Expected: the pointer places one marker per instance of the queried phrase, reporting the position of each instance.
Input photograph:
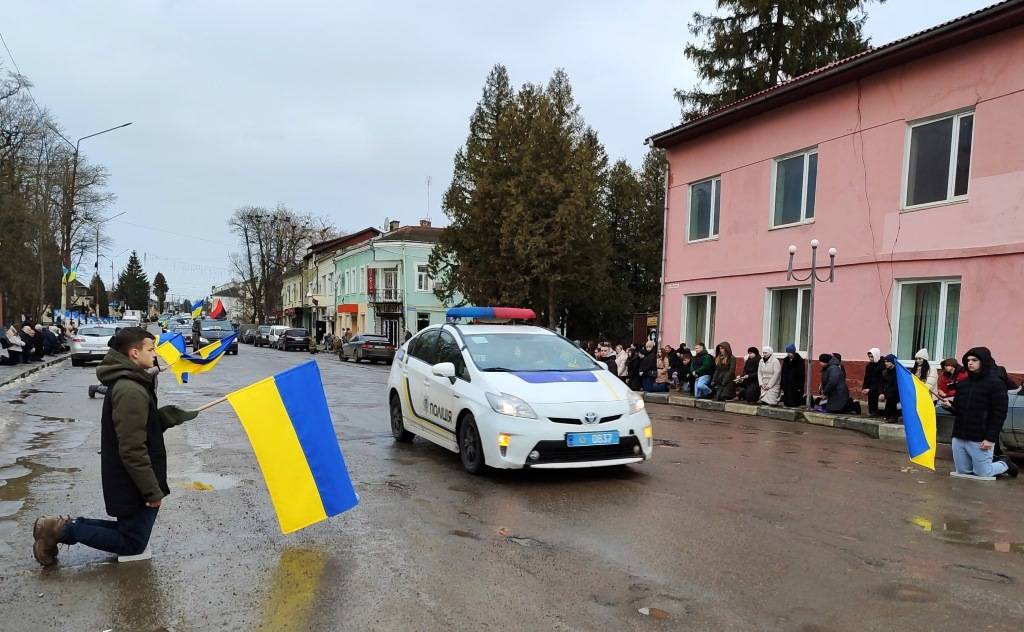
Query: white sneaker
(145, 555)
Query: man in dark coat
(133, 460)
(979, 408)
(794, 373)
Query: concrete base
(656, 398)
(743, 409)
(681, 400)
(859, 424)
(708, 404)
(145, 555)
(820, 419)
(785, 414)
(892, 432)
(972, 477)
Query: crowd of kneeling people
(31, 342)
(975, 392)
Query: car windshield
(216, 325)
(522, 351)
(96, 331)
(296, 332)
(264, 329)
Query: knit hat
(791, 348)
(922, 354)
(752, 350)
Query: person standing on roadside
(873, 380)
(133, 459)
(979, 410)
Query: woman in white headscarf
(769, 375)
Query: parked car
(367, 347)
(293, 338)
(275, 333)
(206, 331)
(1012, 434)
(184, 330)
(262, 336)
(247, 332)
(90, 344)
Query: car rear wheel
(471, 449)
(398, 430)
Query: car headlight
(636, 402)
(510, 405)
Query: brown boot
(46, 531)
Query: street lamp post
(812, 276)
(70, 212)
(96, 268)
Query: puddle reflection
(291, 600)
(968, 533)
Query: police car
(513, 396)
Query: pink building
(908, 159)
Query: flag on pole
(69, 274)
(197, 308)
(171, 348)
(218, 310)
(289, 426)
(918, 415)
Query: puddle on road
(205, 482)
(966, 533)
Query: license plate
(583, 439)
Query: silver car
(90, 344)
(1012, 435)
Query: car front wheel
(398, 430)
(471, 449)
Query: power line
(171, 232)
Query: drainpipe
(664, 250)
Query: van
(276, 332)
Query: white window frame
(708, 315)
(803, 189)
(716, 185)
(769, 316)
(940, 337)
(956, 115)
(429, 286)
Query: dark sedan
(262, 336)
(293, 339)
(367, 347)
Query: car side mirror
(444, 369)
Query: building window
(794, 181)
(699, 319)
(938, 160)
(423, 281)
(788, 317)
(705, 205)
(362, 279)
(927, 316)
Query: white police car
(513, 396)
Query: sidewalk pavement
(10, 373)
(865, 425)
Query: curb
(33, 368)
(870, 427)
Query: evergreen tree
(103, 308)
(758, 44)
(160, 290)
(646, 259)
(133, 285)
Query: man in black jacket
(133, 460)
(980, 409)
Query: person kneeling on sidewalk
(133, 461)
(980, 409)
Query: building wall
(860, 131)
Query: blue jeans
(650, 386)
(128, 535)
(969, 458)
(701, 388)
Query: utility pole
(812, 276)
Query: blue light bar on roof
(492, 313)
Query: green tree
(648, 224)
(758, 44)
(103, 308)
(133, 285)
(160, 290)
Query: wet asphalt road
(738, 523)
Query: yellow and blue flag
(918, 415)
(197, 308)
(292, 435)
(172, 349)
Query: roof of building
(424, 234)
(344, 241)
(977, 24)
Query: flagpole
(220, 400)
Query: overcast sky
(340, 109)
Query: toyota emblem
(590, 418)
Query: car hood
(553, 387)
(215, 334)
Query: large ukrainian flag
(290, 428)
(918, 416)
